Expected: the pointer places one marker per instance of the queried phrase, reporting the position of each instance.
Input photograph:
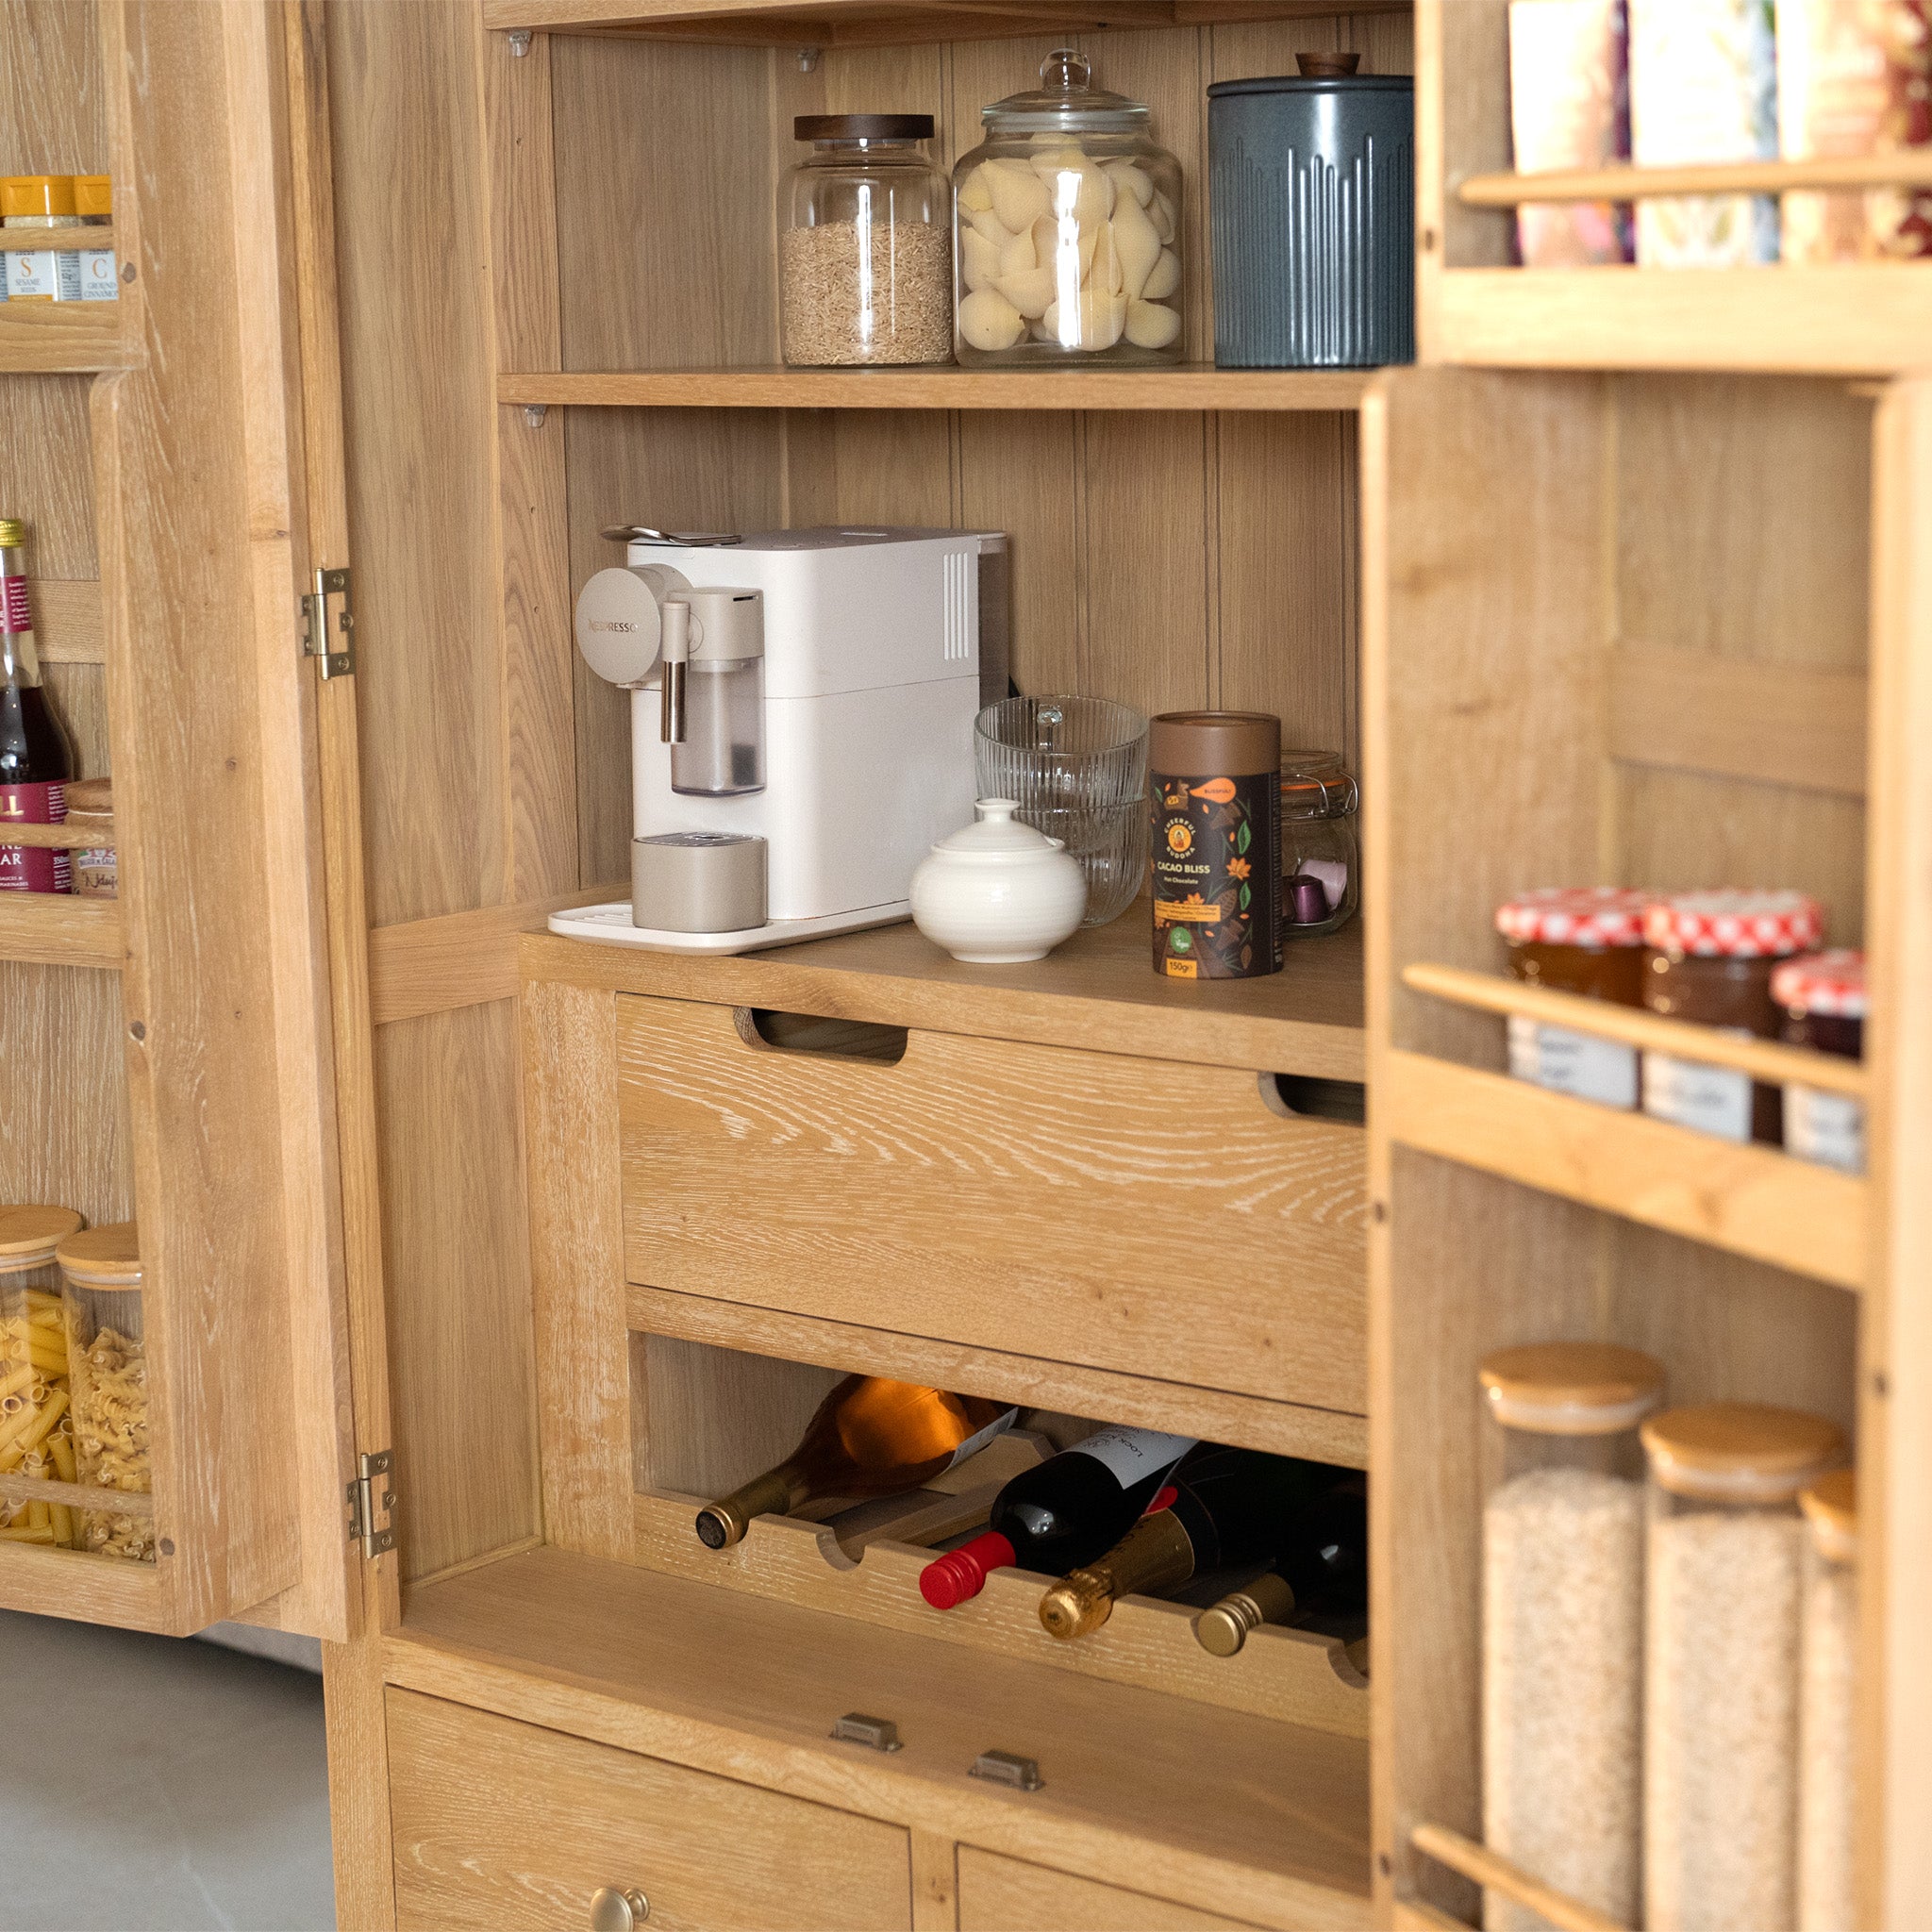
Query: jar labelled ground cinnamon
(1584, 940)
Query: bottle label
(1710, 1100)
(99, 279)
(1578, 1064)
(973, 1445)
(1130, 1454)
(1826, 1127)
(16, 615)
(27, 867)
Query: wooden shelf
(1098, 992)
(886, 23)
(1748, 1200)
(1909, 168)
(81, 1584)
(1191, 388)
(1235, 1813)
(58, 929)
(61, 337)
(89, 239)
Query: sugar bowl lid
(995, 833)
(1065, 100)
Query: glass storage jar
(1068, 219)
(1321, 856)
(1823, 998)
(1589, 940)
(865, 253)
(106, 1369)
(1827, 1889)
(1563, 1621)
(36, 1440)
(1725, 1564)
(1711, 961)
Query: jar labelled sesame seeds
(1584, 940)
(1822, 999)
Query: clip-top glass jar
(1726, 1566)
(1563, 1620)
(36, 1430)
(1069, 229)
(865, 252)
(1321, 856)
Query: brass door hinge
(371, 1500)
(336, 655)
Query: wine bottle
(1323, 1570)
(35, 763)
(870, 1436)
(1219, 1506)
(1060, 1513)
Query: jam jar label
(1826, 1127)
(28, 868)
(1216, 868)
(1575, 1063)
(1711, 1100)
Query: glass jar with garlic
(1068, 226)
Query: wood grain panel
(52, 104)
(999, 1894)
(500, 1824)
(712, 1418)
(979, 1192)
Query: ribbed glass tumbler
(1079, 768)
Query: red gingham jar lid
(1574, 916)
(1832, 984)
(1734, 925)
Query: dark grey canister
(1312, 184)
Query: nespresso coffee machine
(802, 706)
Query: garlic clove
(979, 260)
(976, 192)
(1093, 322)
(1053, 239)
(1031, 291)
(1150, 325)
(1019, 254)
(1137, 244)
(1130, 178)
(1020, 197)
(1161, 213)
(1163, 279)
(989, 321)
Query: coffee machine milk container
(802, 706)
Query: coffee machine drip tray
(610, 924)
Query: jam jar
(1586, 939)
(1710, 958)
(1823, 997)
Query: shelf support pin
(807, 60)
(519, 41)
(533, 414)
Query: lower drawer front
(501, 1824)
(999, 1894)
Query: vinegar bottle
(35, 763)
(871, 1437)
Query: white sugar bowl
(997, 892)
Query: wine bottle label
(28, 868)
(1130, 1454)
(973, 1445)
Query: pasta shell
(1077, 188)
(1150, 325)
(1160, 213)
(1164, 278)
(984, 221)
(1104, 273)
(1019, 254)
(1054, 238)
(1130, 178)
(1031, 291)
(989, 321)
(1020, 197)
(976, 192)
(979, 260)
(1137, 244)
(1094, 323)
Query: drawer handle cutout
(812, 1033)
(1303, 1098)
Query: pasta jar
(1826, 1751)
(865, 252)
(38, 202)
(1725, 1572)
(36, 1438)
(1321, 858)
(1822, 999)
(106, 1368)
(1067, 218)
(1584, 940)
(1563, 1621)
(1710, 961)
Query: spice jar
(1725, 1564)
(1822, 999)
(865, 271)
(1563, 1621)
(1321, 858)
(1584, 940)
(39, 201)
(90, 808)
(106, 1368)
(1216, 779)
(1711, 961)
(36, 1438)
(1826, 1751)
(1068, 219)
(93, 200)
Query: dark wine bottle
(1323, 1570)
(1059, 1514)
(35, 763)
(1218, 1507)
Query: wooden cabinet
(999, 1894)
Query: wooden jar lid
(103, 1256)
(1739, 1452)
(1572, 1388)
(29, 1235)
(1831, 1507)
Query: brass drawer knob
(618, 1909)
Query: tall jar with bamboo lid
(106, 1356)
(36, 1440)
(1563, 1621)
(1828, 1900)
(1726, 1591)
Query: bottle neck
(1157, 1554)
(20, 661)
(777, 1493)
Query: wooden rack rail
(1911, 168)
(1485, 1867)
(57, 838)
(86, 239)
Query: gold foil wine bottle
(871, 1437)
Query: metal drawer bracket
(878, 1733)
(372, 1496)
(316, 641)
(1008, 1768)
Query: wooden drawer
(999, 1894)
(501, 1824)
(1087, 1208)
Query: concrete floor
(149, 1784)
